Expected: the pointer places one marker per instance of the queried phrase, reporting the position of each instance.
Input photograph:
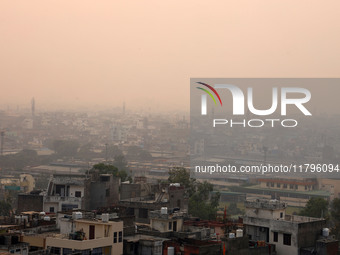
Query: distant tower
(33, 107)
(124, 108)
(2, 134)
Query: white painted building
(65, 192)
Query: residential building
(266, 220)
(65, 192)
(171, 196)
(87, 236)
(11, 243)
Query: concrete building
(143, 245)
(164, 221)
(289, 184)
(10, 243)
(25, 183)
(266, 220)
(294, 192)
(65, 192)
(192, 247)
(170, 196)
(101, 190)
(87, 236)
(30, 202)
(330, 185)
(119, 132)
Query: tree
(105, 169)
(233, 209)
(182, 176)
(5, 208)
(315, 207)
(111, 169)
(120, 162)
(201, 203)
(335, 215)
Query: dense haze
(76, 54)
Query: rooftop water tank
(325, 232)
(77, 215)
(164, 210)
(231, 235)
(239, 233)
(171, 250)
(105, 217)
(47, 218)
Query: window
(170, 225)
(281, 215)
(272, 184)
(284, 186)
(55, 250)
(67, 251)
(92, 229)
(287, 239)
(268, 184)
(107, 192)
(291, 186)
(276, 237)
(143, 213)
(77, 194)
(105, 178)
(68, 207)
(115, 237)
(52, 209)
(278, 185)
(120, 239)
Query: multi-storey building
(266, 220)
(87, 236)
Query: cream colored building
(289, 184)
(25, 183)
(330, 185)
(94, 237)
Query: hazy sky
(79, 52)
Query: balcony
(57, 199)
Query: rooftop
(169, 214)
(272, 204)
(136, 238)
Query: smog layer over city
(169, 127)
